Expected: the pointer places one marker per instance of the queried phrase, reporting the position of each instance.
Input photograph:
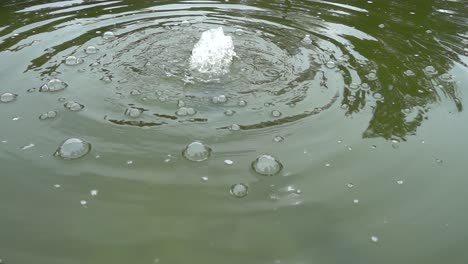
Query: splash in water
(213, 52)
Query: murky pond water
(233, 131)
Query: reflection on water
(333, 132)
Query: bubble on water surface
(365, 87)
(239, 32)
(278, 139)
(234, 127)
(228, 162)
(48, 115)
(204, 178)
(242, 103)
(330, 64)
(229, 112)
(371, 76)
(108, 35)
(430, 71)
(356, 201)
(239, 190)
(83, 202)
(350, 185)
(381, 26)
(53, 85)
(94, 192)
(276, 113)
(8, 97)
(31, 145)
(73, 148)
(374, 239)
(133, 112)
(307, 40)
(73, 106)
(185, 23)
(399, 182)
(91, 50)
(446, 77)
(184, 111)
(73, 60)
(267, 165)
(353, 86)
(219, 99)
(197, 151)
(378, 96)
(409, 73)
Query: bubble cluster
(48, 115)
(185, 111)
(73, 106)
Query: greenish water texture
(366, 114)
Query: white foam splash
(213, 52)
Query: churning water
(263, 131)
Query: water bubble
(229, 112)
(56, 185)
(239, 32)
(222, 99)
(129, 162)
(430, 70)
(409, 73)
(365, 87)
(439, 161)
(356, 201)
(234, 127)
(399, 182)
(53, 85)
(48, 115)
(267, 165)
(180, 103)
(31, 145)
(351, 98)
(378, 96)
(446, 77)
(73, 106)
(83, 202)
(133, 112)
(327, 164)
(331, 64)
(374, 239)
(371, 76)
(108, 35)
(276, 113)
(73, 148)
(8, 97)
(350, 185)
(354, 87)
(197, 151)
(73, 60)
(242, 103)
(228, 162)
(16, 118)
(278, 139)
(91, 50)
(307, 40)
(185, 23)
(345, 106)
(107, 79)
(239, 190)
(381, 26)
(94, 192)
(204, 178)
(135, 92)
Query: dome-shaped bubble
(267, 165)
(239, 190)
(197, 151)
(91, 50)
(73, 60)
(53, 85)
(108, 35)
(8, 97)
(73, 148)
(133, 112)
(73, 106)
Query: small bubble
(400, 182)
(351, 98)
(350, 185)
(228, 162)
(371, 76)
(91, 50)
(276, 113)
(242, 103)
(327, 164)
(204, 178)
(129, 162)
(229, 112)
(381, 26)
(108, 35)
(8, 97)
(345, 106)
(94, 192)
(307, 40)
(48, 115)
(107, 79)
(73, 106)
(83, 202)
(234, 127)
(354, 87)
(446, 77)
(430, 71)
(239, 190)
(278, 139)
(439, 161)
(197, 151)
(374, 146)
(180, 103)
(267, 165)
(53, 85)
(133, 112)
(331, 64)
(73, 148)
(73, 60)
(409, 73)
(356, 201)
(378, 96)
(349, 148)
(56, 185)
(339, 141)
(185, 23)
(374, 239)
